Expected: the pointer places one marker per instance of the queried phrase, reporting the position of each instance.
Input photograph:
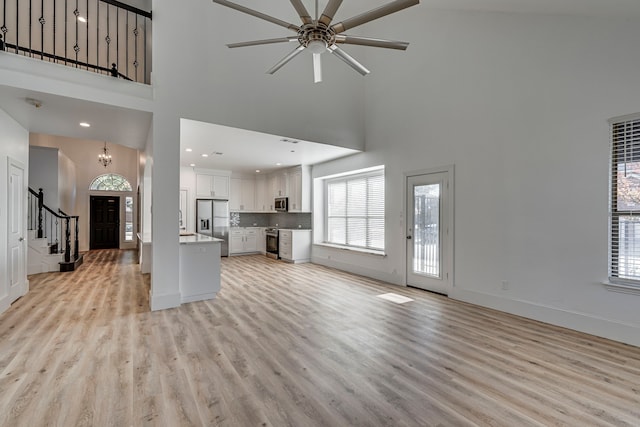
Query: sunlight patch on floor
(398, 299)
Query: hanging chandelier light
(104, 158)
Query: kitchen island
(199, 267)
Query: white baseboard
(202, 297)
(163, 302)
(605, 328)
(34, 269)
(4, 304)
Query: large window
(110, 182)
(624, 210)
(355, 210)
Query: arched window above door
(110, 182)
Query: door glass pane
(128, 219)
(426, 226)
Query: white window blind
(624, 210)
(355, 211)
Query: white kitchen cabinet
(243, 240)
(279, 184)
(294, 245)
(242, 197)
(212, 184)
(264, 199)
(299, 189)
(199, 268)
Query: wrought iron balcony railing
(105, 36)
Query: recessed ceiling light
(205, 155)
(278, 164)
(188, 150)
(85, 125)
(193, 165)
(257, 170)
(82, 19)
(292, 141)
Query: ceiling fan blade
(286, 59)
(266, 41)
(329, 12)
(368, 41)
(373, 14)
(302, 11)
(257, 14)
(348, 59)
(317, 67)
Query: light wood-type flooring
(294, 345)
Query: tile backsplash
(280, 220)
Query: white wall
(188, 182)
(55, 173)
(43, 173)
(519, 103)
(230, 88)
(84, 154)
(14, 143)
(66, 183)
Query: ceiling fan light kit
(319, 36)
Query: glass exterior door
(427, 232)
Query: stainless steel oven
(272, 242)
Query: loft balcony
(102, 36)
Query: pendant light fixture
(104, 158)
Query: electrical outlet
(505, 285)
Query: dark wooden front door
(105, 222)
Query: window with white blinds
(624, 210)
(355, 210)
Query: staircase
(48, 251)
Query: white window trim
(615, 284)
(338, 177)
(622, 288)
(352, 249)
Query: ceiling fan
(319, 36)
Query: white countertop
(198, 238)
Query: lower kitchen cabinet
(243, 240)
(294, 245)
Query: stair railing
(104, 36)
(51, 225)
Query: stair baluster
(50, 227)
(40, 205)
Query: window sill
(346, 248)
(622, 288)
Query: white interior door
(16, 229)
(428, 232)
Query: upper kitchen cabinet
(299, 191)
(243, 194)
(279, 183)
(212, 184)
(264, 201)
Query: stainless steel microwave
(281, 204)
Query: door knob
(20, 239)
(408, 237)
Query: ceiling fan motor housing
(316, 32)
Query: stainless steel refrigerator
(212, 219)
